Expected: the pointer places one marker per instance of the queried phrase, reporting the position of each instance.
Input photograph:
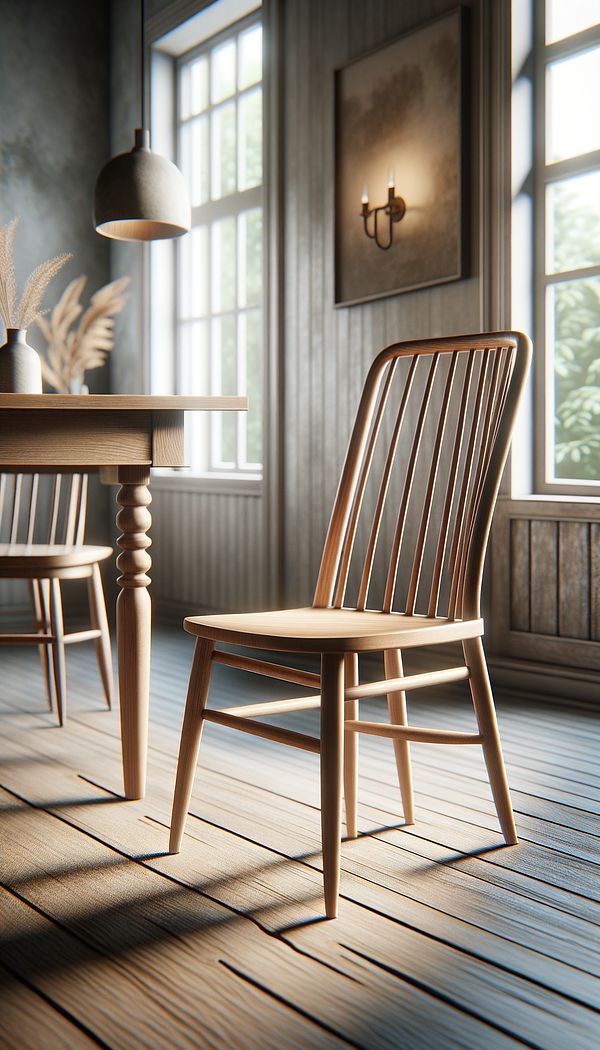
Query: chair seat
(32, 558)
(330, 630)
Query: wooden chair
(62, 555)
(429, 505)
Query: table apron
(52, 440)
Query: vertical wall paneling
(327, 350)
(203, 553)
(520, 560)
(545, 566)
(574, 579)
(594, 581)
(556, 574)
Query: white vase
(20, 368)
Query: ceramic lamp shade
(141, 196)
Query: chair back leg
(351, 750)
(392, 662)
(58, 650)
(332, 746)
(99, 621)
(191, 734)
(485, 712)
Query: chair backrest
(421, 476)
(43, 508)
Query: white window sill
(550, 497)
(215, 484)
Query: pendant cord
(143, 63)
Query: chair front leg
(351, 750)
(191, 733)
(485, 711)
(332, 746)
(392, 662)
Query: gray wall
(54, 137)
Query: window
(567, 243)
(216, 305)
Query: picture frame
(400, 116)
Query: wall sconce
(394, 210)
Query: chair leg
(191, 733)
(58, 650)
(40, 613)
(100, 622)
(332, 746)
(483, 702)
(392, 662)
(351, 750)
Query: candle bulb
(365, 196)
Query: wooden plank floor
(445, 939)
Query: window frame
(235, 480)
(544, 175)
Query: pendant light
(141, 196)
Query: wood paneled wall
(546, 582)
(327, 350)
(207, 551)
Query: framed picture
(399, 120)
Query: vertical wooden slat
(594, 541)
(31, 511)
(72, 507)
(360, 488)
(55, 507)
(3, 487)
(519, 575)
(408, 483)
(491, 414)
(544, 577)
(573, 579)
(81, 510)
(16, 508)
(460, 520)
(383, 488)
(436, 576)
(427, 502)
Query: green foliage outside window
(576, 341)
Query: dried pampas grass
(29, 308)
(73, 351)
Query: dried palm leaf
(8, 283)
(38, 281)
(71, 352)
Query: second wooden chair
(44, 545)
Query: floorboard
(445, 938)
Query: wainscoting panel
(207, 551)
(546, 581)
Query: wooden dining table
(121, 436)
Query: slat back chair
(42, 541)
(456, 474)
(43, 509)
(418, 489)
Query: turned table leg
(133, 624)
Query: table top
(125, 402)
